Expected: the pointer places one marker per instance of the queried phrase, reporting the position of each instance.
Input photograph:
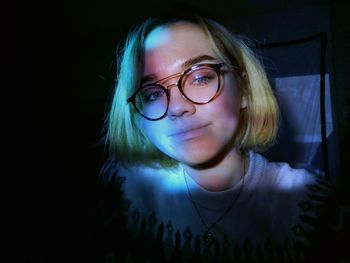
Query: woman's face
(189, 133)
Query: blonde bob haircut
(258, 122)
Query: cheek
(229, 100)
(155, 132)
(228, 108)
(147, 129)
(225, 115)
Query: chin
(195, 158)
(204, 155)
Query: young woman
(191, 110)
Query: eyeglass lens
(199, 86)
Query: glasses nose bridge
(176, 76)
(168, 87)
(177, 84)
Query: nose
(178, 104)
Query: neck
(224, 175)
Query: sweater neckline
(219, 200)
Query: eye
(152, 94)
(201, 77)
(202, 80)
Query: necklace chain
(208, 237)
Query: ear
(244, 99)
(244, 102)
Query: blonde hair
(258, 122)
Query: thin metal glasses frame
(182, 74)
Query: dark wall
(340, 35)
(56, 119)
(62, 70)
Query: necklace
(208, 236)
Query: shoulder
(281, 175)
(112, 168)
(141, 175)
(295, 197)
(291, 188)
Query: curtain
(298, 73)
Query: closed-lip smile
(189, 132)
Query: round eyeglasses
(199, 84)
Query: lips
(189, 132)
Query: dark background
(59, 70)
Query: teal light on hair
(258, 123)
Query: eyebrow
(188, 63)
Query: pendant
(208, 238)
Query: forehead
(180, 31)
(171, 45)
